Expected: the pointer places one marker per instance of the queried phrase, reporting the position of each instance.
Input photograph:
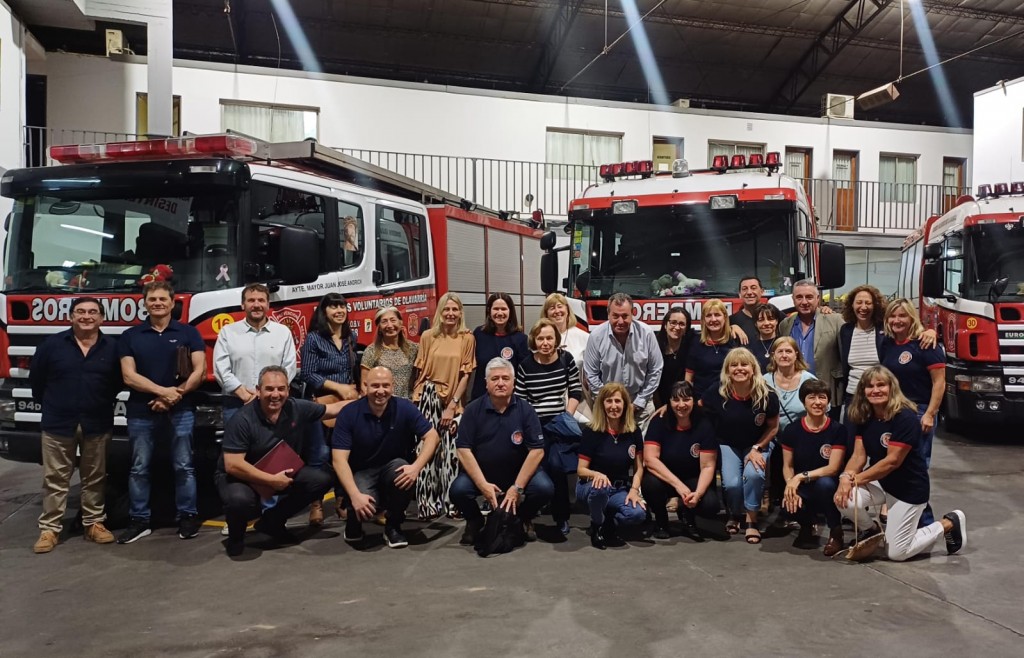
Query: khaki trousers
(59, 454)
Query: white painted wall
(999, 133)
(12, 94)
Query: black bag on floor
(502, 533)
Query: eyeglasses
(676, 323)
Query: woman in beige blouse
(444, 364)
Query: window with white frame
(577, 151)
(269, 122)
(730, 149)
(897, 176)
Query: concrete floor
(164, 596)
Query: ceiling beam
(857, 15)
(561, 24)
(947, 9)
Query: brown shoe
(98, 533)
(316, 513)
(46, 542)
(833, 545)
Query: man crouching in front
(248, 437)
(500, 446)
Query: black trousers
(242, 503)
(379, 482)
(657, 492)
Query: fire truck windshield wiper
(714, 293)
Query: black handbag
(502, 533)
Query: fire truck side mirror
(831, 265)
(547, 241)
(932, 251)
(549, 272)
(295, 267)
(931, 280)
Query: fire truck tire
(955, 426)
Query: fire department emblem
(759, 419)
(695, 450)
(517, 437)
(413, 328)
(884, 439)
(905, 358)
(506, 353)
(826, 451)
(632, 451)
(294, 320)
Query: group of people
(646, 420)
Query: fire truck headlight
(7, 409)
(723, 202)
(979, 383)
(624, 207)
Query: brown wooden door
(844, 173)
(952, 182)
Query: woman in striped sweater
(550, 382)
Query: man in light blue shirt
(624, 351)
(245, 348)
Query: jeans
(242, 503)
(562, 434)
(318, 453)
(742, 483)
(142, 433)
(463, 494)
(609, 501)
(657, 492)
(818, 498)
(379, 483)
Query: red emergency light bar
(643, 168)
(205, 145)
(988, 191)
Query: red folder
(280, 458)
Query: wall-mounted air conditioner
(681, 102)
(115, 43)
(837, 106)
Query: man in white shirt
(624, 351)
(245, 348)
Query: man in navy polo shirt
(251, 434)
(500, 446)
(161, 401)
(76, 377)
(373, 443)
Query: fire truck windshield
(76, 243)
(995, 251)
(631, 253)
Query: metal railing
(870, 206)
(520, 187)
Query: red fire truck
(219, 212)
(683, 237)
(965, 271)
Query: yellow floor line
(213, 523)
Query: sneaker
(188, 526)
(394, 538)
(354, 530)
(136, 530)
(806, 538)
(224, 530)
(661, 532)
(563, 527)
(47, 542)
(97, 532)
(956, 538)
(529, 532)
(691, 531)
(470, 534)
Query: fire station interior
(890, 130)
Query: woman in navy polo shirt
(888, 442)
(921, 372)
(704, 363)
(675, 339)
(499, 335)
(680, 453)
(813, 450)
(611, 444)
(745, 413)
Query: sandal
(732, 526)
(751, 533)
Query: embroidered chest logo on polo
(631, 451)
(884, 439)
(826, 451)
(695, 450)
(506, 353)
(517, 437)
(759, 419)
(905, 358)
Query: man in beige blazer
(817, 334)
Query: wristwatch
(807, 476)
(519, 490)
